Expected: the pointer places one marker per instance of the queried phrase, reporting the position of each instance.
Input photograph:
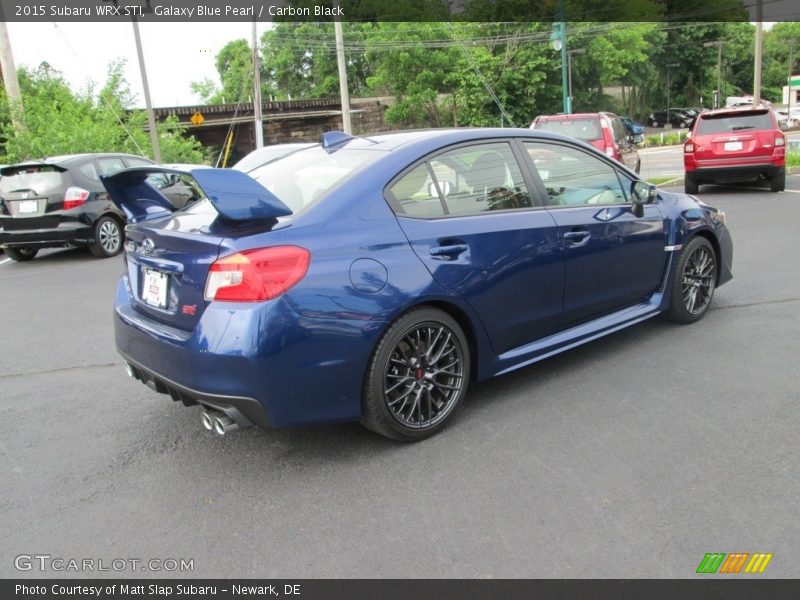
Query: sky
(175, 54)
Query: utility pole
(569, 69)
(558, 40)
(757, 54)
(718, 44)
(343, 93)
(669, 70)
(791, 68)
(151, 119)
(9, 71)
(259, 124)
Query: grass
(660, 180)
(793, 158)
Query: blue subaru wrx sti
(373, 278)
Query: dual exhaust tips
(218, 422)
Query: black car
(59, 201)
(677, 118)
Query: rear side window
(731, 123)
(583, 129)
(40, 179)
(466, 181)
(107, 166)
(620, 137)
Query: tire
(638, 166)
(690, 185)
(778, 181)
(108, 237)
(694, 282)
(404, 397)
(22, 253)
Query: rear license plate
(27, 207)
(155, 286)
(733, 146)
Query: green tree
(60, 121)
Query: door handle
(577, 236)
(449, 251)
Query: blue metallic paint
(304, 354)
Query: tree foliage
(482, 73)
(60, 121)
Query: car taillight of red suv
(735, 145)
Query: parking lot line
(793, 191)
(2, 262)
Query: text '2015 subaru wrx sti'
(373, 278)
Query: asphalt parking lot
(629, 457)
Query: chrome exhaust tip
(129, 371)
(208, 420)
(224, 424)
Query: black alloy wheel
(417, 376)
(694, 282)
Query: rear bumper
(246, 412)
(734, 173)
(260, 360)
(65, 234)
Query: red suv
(735, 144)
(604, 131)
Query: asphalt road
(629, 457)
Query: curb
(679, 180)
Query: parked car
(604, 131)
(59, 201)
(632, 126)
(409, 265)
(675, 117)
(735, 144)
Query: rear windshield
(39, 179)
(583, 129)
(730, 123)
(302, 178)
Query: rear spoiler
(13, 169)
(236, 196)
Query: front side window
(575, 178)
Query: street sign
(197, 119)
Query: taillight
(688, 147)
(780, 140)
(74, 197)
(256, 275)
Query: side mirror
(642, 193)
(638, 138)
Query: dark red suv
(735, 144)
(605, 131)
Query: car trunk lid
(168, 253)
